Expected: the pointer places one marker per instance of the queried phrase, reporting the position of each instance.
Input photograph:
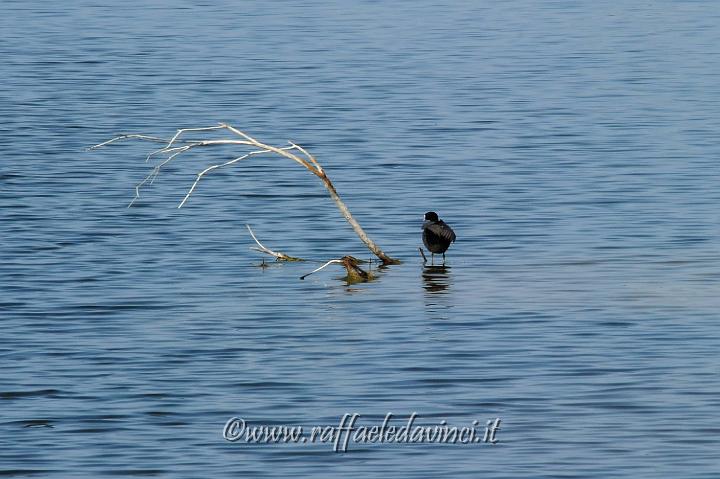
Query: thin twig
(126, 137)
(264, 249)
(219, 165)
(310, 157)
(355, 273)
(321, 267)
(156, 171)
(182, 131)
(279, 151)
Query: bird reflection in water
(436, 279)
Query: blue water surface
(573, 146)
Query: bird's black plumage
(437, 235)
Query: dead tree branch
(178, 145)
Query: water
(571, 145)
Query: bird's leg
(432, 258)
(443, 258)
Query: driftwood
(178, 144)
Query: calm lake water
(573, 147)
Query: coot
(437, 235)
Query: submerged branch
(264, 249)
(355, 274)
(332, 261)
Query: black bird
(437, 235)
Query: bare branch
(181, 149)
(332, 261)
(240, 133)
(127, 137)
(279, 151)
(156, 171)
(310, 157)
(355, 273)
(308, 162)
(182, 131)
(264, 249)
(220, 165)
